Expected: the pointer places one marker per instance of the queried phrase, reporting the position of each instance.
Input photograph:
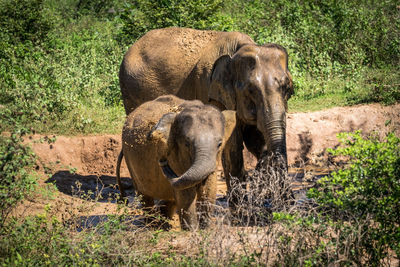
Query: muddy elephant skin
(226, 69)
(171, 147)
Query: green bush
(102, 8)
(366, 193)
(142, 16)
(55, 84)
(59, 60)
(43, 236)
(16, 180)
(382, 86)
(32, 93)
(329, 42)
(23, 21)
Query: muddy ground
(87, 163)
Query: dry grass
(269, 225)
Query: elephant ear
(290, 85)
(230, 124)
(221, 89)
(160, 132)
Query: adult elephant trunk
(203, 165)
(273, 127)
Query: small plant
(366, 192)
(16, 178)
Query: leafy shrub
(41, 234)
(142, 16)
(101, 8)
(59, 62)
(16, 180)
(23, 21)
(326, 40)
(367, 190)
(378, 86)
(56, 83)
(32, 92)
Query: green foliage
(142, 16)
(40, 234)
(57, 83)
(381, 85)
(23, 21)
(59, 60)
(31, 90)
(101, 8)
(367, 190)
(329, 41)
(16, 180)
(352, 216)
(44, 239)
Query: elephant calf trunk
(203, 166)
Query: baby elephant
(171, 147)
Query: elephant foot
(188, 220)
(167, 208)
(204, 212)
(150, 213)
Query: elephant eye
(219, 144)
(187, 142)
(239, 85)
(287, 92)
(252, 90)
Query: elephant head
(255, 81)
(196, 135)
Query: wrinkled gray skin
(226, 69)
(171, 147)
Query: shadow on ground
(100, 188)
(104, 189)
(92, 221)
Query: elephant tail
(118, 174)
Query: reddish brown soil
(93, 158)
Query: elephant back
(174, 61)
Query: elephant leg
(186, 205)
(207, 194)
(148, 209)
(148, 202)
(167, 209)
(254, 140)
(232, 162)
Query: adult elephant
(226, 69)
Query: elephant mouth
(251, 116)
(168, 172)
(250, 120)
(253, 120)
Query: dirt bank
(308, 135)
(87, 163)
